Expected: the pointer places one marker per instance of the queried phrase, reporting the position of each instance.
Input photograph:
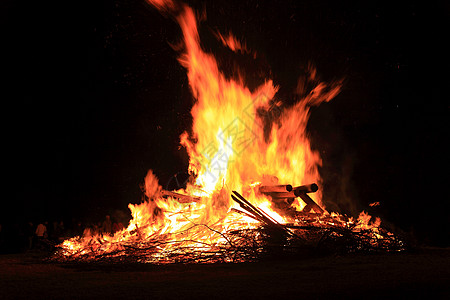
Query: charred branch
(258, 213)
(245, 213)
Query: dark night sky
(94, 97)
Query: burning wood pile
(313, 230)
(232, 210)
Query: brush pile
(313, 231)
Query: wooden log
(279, 192)
(308, 188)
(275, 188)
(310, 204)
(281, 195)
(181, 197)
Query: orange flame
(234, 44)
(228, 149)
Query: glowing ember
(233, 146)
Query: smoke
(339, 159)
(340, 191)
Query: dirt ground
(424, 273)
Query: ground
(422, 273)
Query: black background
(93, 97)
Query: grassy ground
(423, 274)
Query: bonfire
(255, 187)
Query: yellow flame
(228, 150)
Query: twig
(218, 232)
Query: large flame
(235, 143)
(228, 148)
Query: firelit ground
(424, 273)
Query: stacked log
(287, 193)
